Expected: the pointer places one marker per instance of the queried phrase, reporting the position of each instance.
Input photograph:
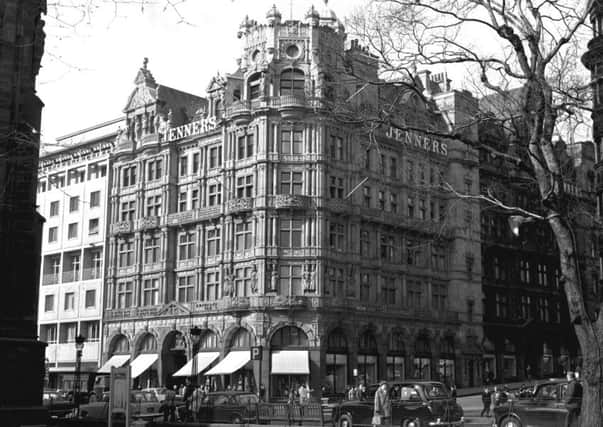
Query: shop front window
(337, 362)
(295, 340)
(422, 359)
(367, 359)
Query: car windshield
(436, 391)
(143, 396)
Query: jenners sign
(198, 127)
(415, 139)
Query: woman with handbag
(383, 406)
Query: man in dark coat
(383, 404)
(487, 401)
(573, 399)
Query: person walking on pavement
(290, 403)
(304, 399)
(170, 400)
(573, 399)
(382, 412)
(487, 401)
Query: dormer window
(292, 82)
(253, 87)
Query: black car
(414, 404)
(543, 407)
(233, 407)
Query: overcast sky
(88, 69)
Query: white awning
(290, 362)
(142, 363)
(203, 361)
(116, 361)
(233, 361)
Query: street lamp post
(79, 346)
(195, 338)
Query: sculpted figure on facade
(274, 277)
(308, 278)
(228, 284)
(254, 280)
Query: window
(186, 245)
(48, 303)
(290, 282)
(387, 247)
(53, 234)
(90, 298)
(335, 283)
(245, 186)
(388, 290)
(292, 83)
(91, 330)
(182, 196)
(410, 177)
(128, 176)
(151, 249)
(393, 202)
(74, 203)
(214, 195)
(526, 307)
(54, 208)
(194, 199)
(365, 287)
(48, 333)
(438, 258)
(150, 292)
(243, 282)
(186, 288)
(290, 233)
(245, 146)
(291, 141)
(253, 86)
(365, 243)
(75, 268)
(215, 157)
(411, 207)
(212, 286)
(291, 182)
(128, 210)
(243, 235)
(524, 271)
(439, 296)
(93, 226)
(381, 198)
(213, 241)
(56, 266)
(72, 231)
(95, 199)
(124, 294)
(336, 148)
(422, 209)
(393, 167)
(415, 294)
(69, 301)
(196, 162)
(154, 171)
(183, 165)
(67, 332)
(126, 253)
(336, 188)
(154, 205)
(336, 236)
(542, 275)
(367, 196)
(97, 265)
(502, 306)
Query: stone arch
(140, 337)
(304, 327)
(292, 81)
(229, 333)
(115, 344)
(173, 355)
(239, 334)
(305, 338)
(210, 339)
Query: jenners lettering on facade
(418, 140)
(195, 128)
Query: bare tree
(526, 53)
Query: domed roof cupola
(273, 16)
(312, 16)
(328, 17)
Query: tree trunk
(591, 414)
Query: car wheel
(510, 422)
(345, 421)
(411, 423)
(236, 420)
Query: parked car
(143, 405)
(543, 407)
(234, 407)
(56, 404)
(414, 404)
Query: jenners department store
(257, 217)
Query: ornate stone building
(263, 216)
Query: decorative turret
(312, 16)
(144, 76)
(273, 16)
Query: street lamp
(79, 346)
(195, 338)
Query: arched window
(422, 359)
(148, 344)
(367, 361)
(218, 109)
(292, 82)
(208, 340)
(253, 86)
(289, 336)
(396, 343)
(121, 345)
(337, 361)
(395, 359)
(447, 346)
(367, 344)
(337, 342)
(240, 339)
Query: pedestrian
(196, 402)
(487, 401)
(290, 404)
(165, 410)
(262, 392)
(352, 393)
(573, 399)
(361, 392)
(170, 397)
(304, 398)
(382, 411)
(187, 393)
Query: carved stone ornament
(290, 201)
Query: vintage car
(414, 404)
(233, 407)
(57, 405)
(143, 405)
(543, 407)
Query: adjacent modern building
(264, 217)
(72, 196)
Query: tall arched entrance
(144, 365)
(289, 361)
(368, 357)
(173, 357)
(337, 362)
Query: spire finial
(145, 62)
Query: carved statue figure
(254, 280)
(228, 284)
(274, 277)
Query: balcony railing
(92, 273)
(51, 279)
(242, 204)
(71, 276)
(291, 201)
(121, 227)
(148, 222)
